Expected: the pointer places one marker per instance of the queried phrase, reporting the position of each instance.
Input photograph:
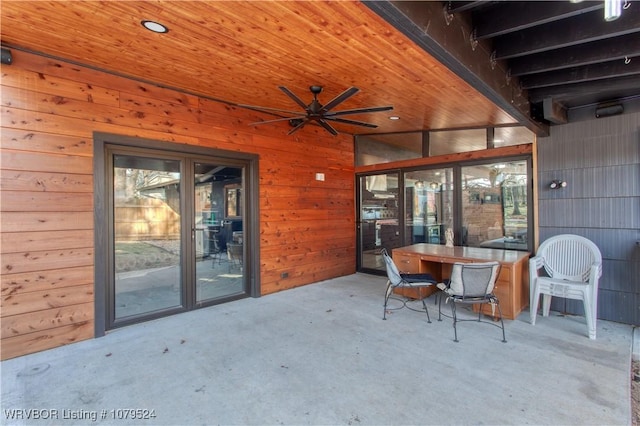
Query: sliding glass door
(147, 229)
(218, 231)
(379, 224)
(176, 239)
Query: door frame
(102, 254)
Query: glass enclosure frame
(524, 243)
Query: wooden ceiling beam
(593, 53)
(611, 69)
(585, 28)
(508, 17)
(430, 26)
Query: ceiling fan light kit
(317, 113)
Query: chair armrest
(535, 263)
(595, 272)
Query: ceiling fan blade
(328, 127)
(296, 99)
(267, 109)
(256, 123)
(339, 99)
(359, 111)
(353, 122)
(298, 126)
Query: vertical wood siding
(50, 110)
(600, 161)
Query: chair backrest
(392, 270)
(569, 257)
(473, 279)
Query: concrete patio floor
(322, 355)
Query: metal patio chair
(398, 280)
(472, 284)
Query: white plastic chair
(573, 266)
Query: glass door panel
(147, 229)
(218, 231)
(379, 218)
(494, 205)
(428, 205)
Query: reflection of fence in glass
(147, 205)
(145, 219)
(494, 203)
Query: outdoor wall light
(557, 184)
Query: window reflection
(494, 205)
(428, 205)
(457, 141)
(377, 149)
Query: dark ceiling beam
(603, 87)
(611, 69)
(463, 6)
(508, 17)
(448, 41)
(585, 28)
(585, 54)
(554, 111)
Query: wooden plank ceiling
(240, 52)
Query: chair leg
(453, 314)
(504, 338)
(533, 309)
(424, 305)
(387, 294)
(440, 307)
(590, 315)
(546, 304)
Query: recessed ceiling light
(154, 26)
(394, 117)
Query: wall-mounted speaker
(609, 110)
(7, 58)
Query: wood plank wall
(50, 110)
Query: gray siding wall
(600, 161)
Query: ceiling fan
(316, 112)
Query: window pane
(219, 242)
(379, 218)
(494, 205)
(147, 235)
(377, 149)
(456, 141)
(428, 205)
(507, 136)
